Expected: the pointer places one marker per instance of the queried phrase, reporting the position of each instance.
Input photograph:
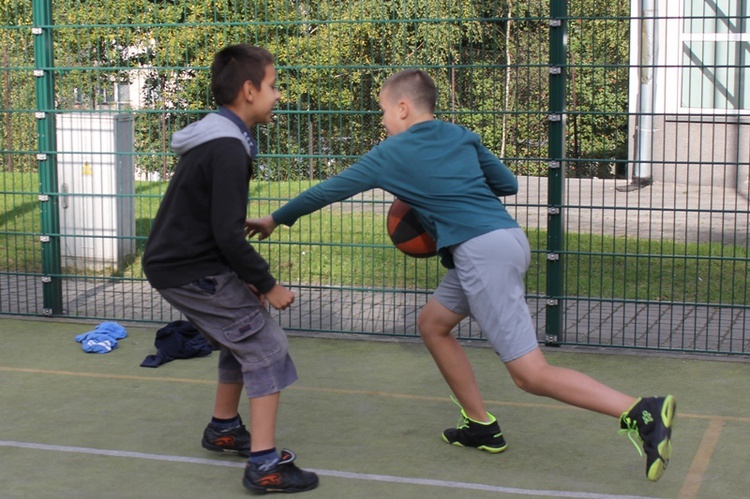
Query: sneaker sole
(215, 448)
(486, 448)
(668, 410)
(270, 490)
(493, 450)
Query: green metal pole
(46, 158)
(556, 184)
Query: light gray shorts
(487, 284)
(253, 348)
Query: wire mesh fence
(628, 126)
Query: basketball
(406, 233)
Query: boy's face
(265, 97)
(393, 114)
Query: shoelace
(463, 421)
(632, 429)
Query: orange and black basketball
(406, 233)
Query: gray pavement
(663, 211)
(674, 212)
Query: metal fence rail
(628, 126)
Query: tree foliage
(17, 125)
(489, 60)
(598, 91)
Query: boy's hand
(279, 297)
(255, 291)
(262, 227)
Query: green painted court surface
(367, 415)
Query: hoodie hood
(212, 126)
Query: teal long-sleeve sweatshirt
(440, 169)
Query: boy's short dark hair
(233, 66)
(414, 84)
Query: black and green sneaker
(651, 419)
(469, 433)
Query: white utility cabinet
(96, 186)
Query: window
(715, 56)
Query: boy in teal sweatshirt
(453, 182)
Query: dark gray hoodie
(212, 126)
(199, 228)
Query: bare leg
(227, 400)
(263, 411)
(533, 374)
(435, 324)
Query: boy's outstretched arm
(262, 227)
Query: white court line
(337, 474)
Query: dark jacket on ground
(177, 340)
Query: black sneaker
(651, 419)
(284, 476)
(470, 433)
(235, 440)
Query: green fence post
(47, 161)
(556, 184)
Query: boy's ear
(403, 109)
(249, 91)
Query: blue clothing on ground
(103, 338)
(442, 170)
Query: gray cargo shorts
(487, 284)
(253, 348)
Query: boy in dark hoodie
(199, 260)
